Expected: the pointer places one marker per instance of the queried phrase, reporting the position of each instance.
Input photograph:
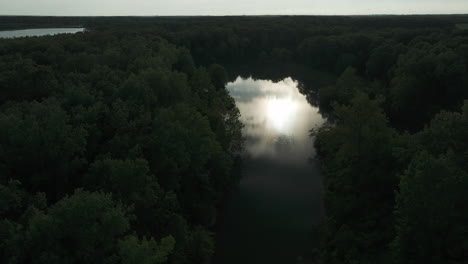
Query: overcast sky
(232, 7)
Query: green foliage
(358, 165)
(24, 79)
(321, 51)
(462, 26)
(130, 181)
(430, 221)
(430, 216)
(218, 76)
(40, 146)
(342, 91)
(134, 251)
(81, 228)
(128, 115)
(425, 81)
(361, 157)
(11, 197)
(382, 59)
(201, 246)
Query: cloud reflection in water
(277, 118)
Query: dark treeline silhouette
(118, 145)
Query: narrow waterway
(271, 217)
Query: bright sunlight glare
(281, 113)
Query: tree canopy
(119, 144)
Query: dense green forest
(115, 148)
(119, 144)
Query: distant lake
(270, 218)
(38, 32)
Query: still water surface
(271, 217)
(38, 32)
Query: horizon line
(250, 15)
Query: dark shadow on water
(271, 218)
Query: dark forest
(120, 144)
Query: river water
(271, 217)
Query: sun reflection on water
(281, 113)
(277, 118)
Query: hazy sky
(231, 7)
